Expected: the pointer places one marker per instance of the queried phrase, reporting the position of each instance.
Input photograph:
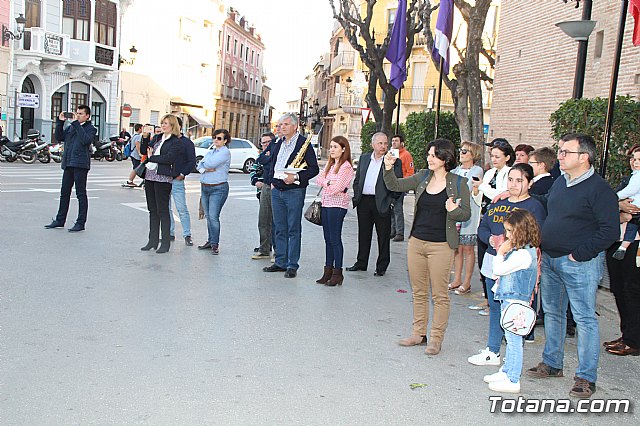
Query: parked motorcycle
(104, 149)
(41, 147)
(55, 151)
(119, 153)
(23, 150)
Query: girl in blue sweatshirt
(516, 266)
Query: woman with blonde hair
(465, 253)
(160, 171)
(335, 180)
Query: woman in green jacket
(442, 200)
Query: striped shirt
(286, 149)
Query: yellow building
(338, 85)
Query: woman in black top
(442, 199)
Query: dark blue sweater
(583, 219)
(492, 222)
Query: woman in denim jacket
(516, 266)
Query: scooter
(104, 149)
(41, 147)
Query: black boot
(326, 276)
(164, 247)
(149, 246)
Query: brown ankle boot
(336, 278)
(326, 276)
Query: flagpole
(438, 99)
(612, 89)
(398, 112)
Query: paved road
(94, 331)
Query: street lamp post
(580, 31)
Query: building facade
(5, 62)
(240, 94)
(176, 65)
(68, 56)
(535, 65)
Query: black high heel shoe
(163, 248)
(149, 246)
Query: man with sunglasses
(582, 223)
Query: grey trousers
(397, 217)
(265, 220)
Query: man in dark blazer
(76, 161)
(288, 190)
(372, 201)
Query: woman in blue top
(214, 176)
(491, 232)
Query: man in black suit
(542, 160)
(372, 199)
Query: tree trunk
(476, 23)
(389, 109)
(460, 94)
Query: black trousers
(158, 194)
(73, 176)
(625, 286)
(368, 216)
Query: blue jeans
(179, 197)
(513, 355)
(564, 281)
(287, 219)
(494, 341)
(332, 220)
(213, 198)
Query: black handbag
(141, 170)
(314, 211)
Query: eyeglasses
(464, 151)
(563, 153)
(499, 143)
(534, 162)
(219, 138)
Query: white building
(178, 48)
(69, 57)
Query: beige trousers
(429, 270)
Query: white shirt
(370, 180)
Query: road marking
(137, 206)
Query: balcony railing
(419, 95)
(242, 96)
(345, 100)
(343, 61)
(37, 40)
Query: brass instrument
(298, 162)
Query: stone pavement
(94, 331)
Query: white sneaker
(496, 377)
(505, 386)
(484, 312)
(485, 357)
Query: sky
(295, 34)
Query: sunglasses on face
(219, 138)
(464, 151)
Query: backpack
(127, 150)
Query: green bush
(588, 116)
(420, 129)
(367, 132)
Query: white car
(243, 152)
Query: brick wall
(536, 65)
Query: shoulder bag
(313, 213)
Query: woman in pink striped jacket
(335, 180)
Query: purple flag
(396, 53)
(444, 28)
